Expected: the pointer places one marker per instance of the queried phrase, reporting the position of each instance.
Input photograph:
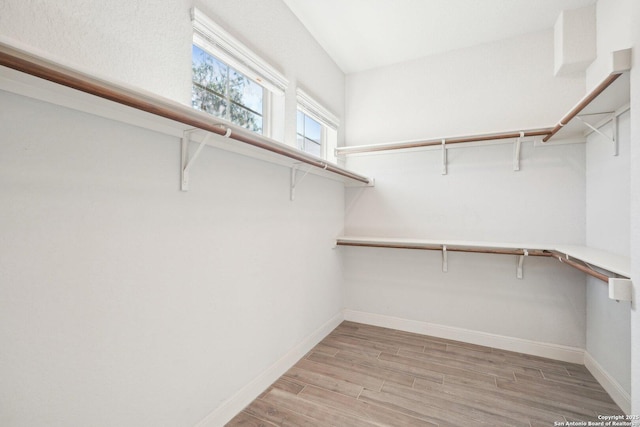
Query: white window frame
(329, 122)
(212, 38)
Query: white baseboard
(236, 403)
(551, 351)
(613, 387)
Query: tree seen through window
(222, 91)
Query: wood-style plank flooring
(363, 375)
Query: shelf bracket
(187, 161)
(444, 157)
(445, 266)
(614, 131)
(516, 152)
(519, 274)
(294, 181)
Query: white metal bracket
(613, 118)
(516, 152)
(294, 181)
(519, 274)
(444, 157)
(445, 266)
(591, 267)
(186, 161)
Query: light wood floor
(363, 375)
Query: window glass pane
(312, 129)
(213, 104)
(209, 72)
(224, 92)
(300, 123)
(312, 147)
(200, 98)
(245, 118)
(244, 91)
(204, 100)
(309, 138)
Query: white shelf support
(294, 181)
(613, 118)
(188, 161)
(516, 152)
(519, 271)
(444, 157)
(445, 264)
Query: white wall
(608, 205)
(124, 300)
(141, 43)
(608, 186)
(635, 209)
(488, 88)
(501, 86)
(613, 32)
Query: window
(233, 83)
(317, 132)
(309, 135)
(223, 91)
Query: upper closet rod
(582, 104)
(620, 62)
(582, 267)
(27, 63)
(430, 142)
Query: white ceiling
(365, 34)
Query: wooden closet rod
(448, 141)
(582, 104)
(24, 62)
(450, 248)
(471, 247)
(621, 61)
(584, 268)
